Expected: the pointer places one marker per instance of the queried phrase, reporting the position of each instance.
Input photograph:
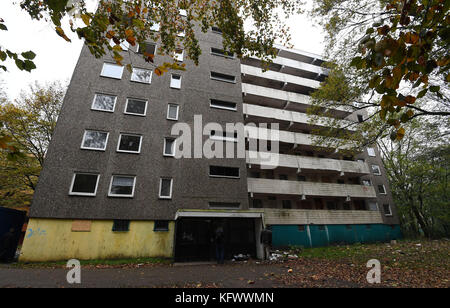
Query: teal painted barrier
(323, 235)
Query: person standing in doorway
(220, 245)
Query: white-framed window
(223, 77)
(382, 189)
(214, 103)
(223, 136)
(387, 210)
(129, 143)
(141, 75)
(224, 172)
(373, 206)
(376, 170)
(165, 188)
(84, 184)
(175, 81)
(183, 12)
(179, 55)
(122, 186)
(104, 102)
(169, 146)
(94, 140)
(112, 70)
(172, 112)
(136, 107)
(371, 152)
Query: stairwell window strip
(223, 77)
(104, 102)
(214, 103)
(94, 140)
(112, 70)
(224, 172)
(84, 184)
(122, 186)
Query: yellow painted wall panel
(52, 239)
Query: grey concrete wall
(192, 186)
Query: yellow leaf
(61, 33)
(86, 19)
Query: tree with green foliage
(135, 22)
(389, 60)
(418, 168)
(29, 124)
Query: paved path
(227, 276)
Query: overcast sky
(56, 58)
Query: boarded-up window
(81, 226)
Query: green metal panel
(289, 235)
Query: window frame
(177, 55)
(104, 110)
(221, 53)
(113, 64)
(377, 167)
(168, 113)
(125, 151)
(222, 107)
(384, 189)
(223, 138)
(71, 193)
(160, 188)
(222, 79)
(94, 149)
(122, 196)
(144, 69)
(224, 176)
(384, 210)
(155, 229)
(138, 50)
(121, 220)
(171, 78)
(370, 150)
(216, 30)
(136, 114)
(174, 146)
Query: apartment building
(113, 185)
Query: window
(94, 140)
(360, 118)
(124, 44)
(331, 205)
(366, 182)
(225, 205)
(283, 177)
(223, 77)
(172, 112)
(121, 225)
(224, 136)
(129, 143)
(221, 52)
(84, 184)
(341, 181)
(371, 152)
(112, 71)
(175, 81)
(181, 33)
(104, 102)
(155, 26)
(301, 178)
(141, 75)
(257, 204)
(382, 189)
(148, 48)
(214, 103)
(216, 30)
(225, 172)
(286, 204)
(169, 147)
(179, 54)
(122, 186)
(165, 188)
(387, 210)
(373, 206)
(136, 107)
(161, 225)
(376, 170)
(183, 12)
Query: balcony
(304, 163)
(277, 80)
(289, 120)
(281, 187)
(280, 99)
(320, 217)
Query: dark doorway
(11, 222)
(195, 238)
